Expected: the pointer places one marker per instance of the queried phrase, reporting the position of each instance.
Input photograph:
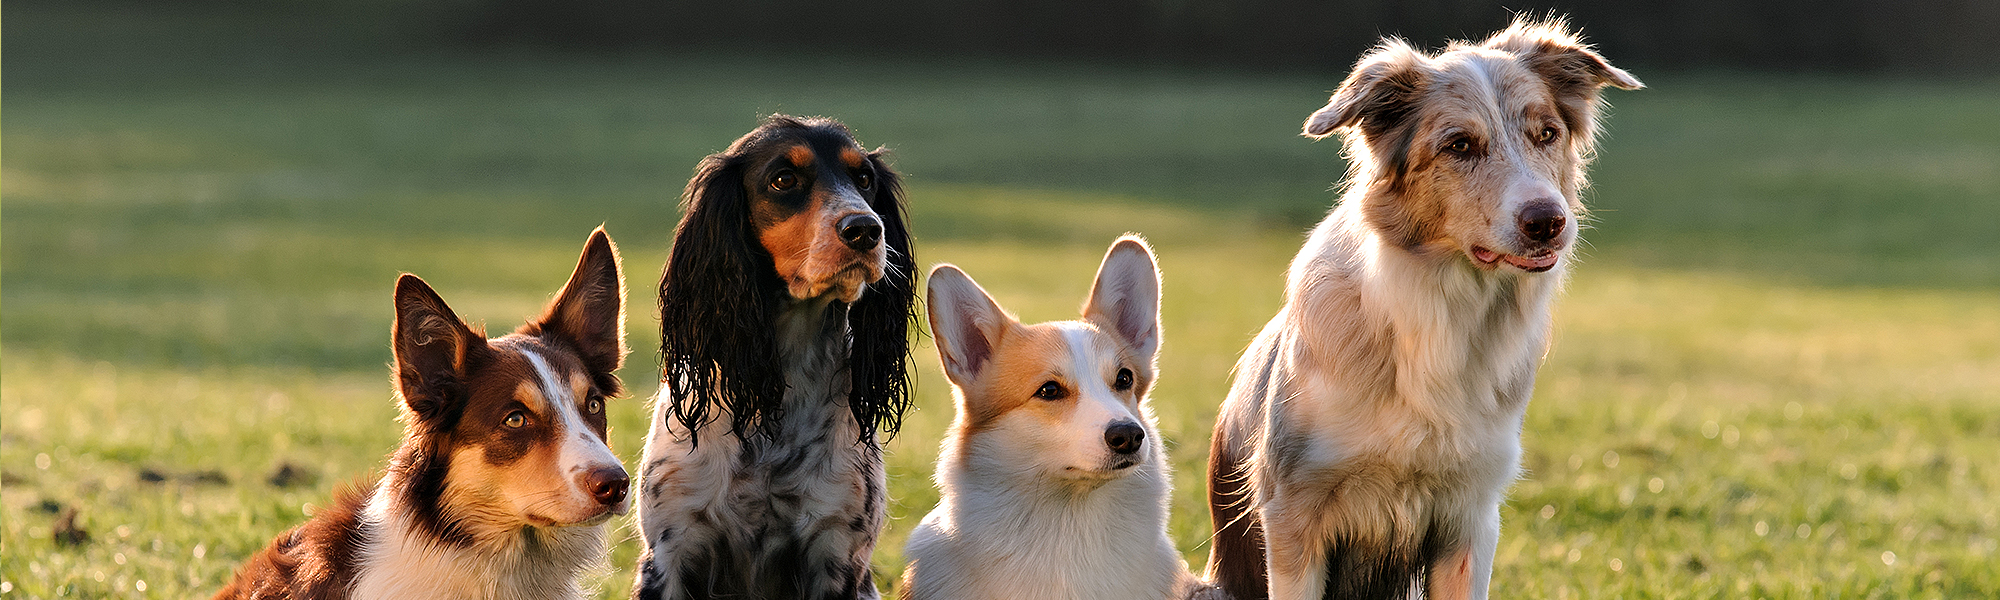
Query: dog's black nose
(1542, 221)
(606, 484)
(1124, 437)
(861, 232)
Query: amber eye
(864, 180)
(1124, 381)
(515, 420)
(784, 181)
(1548, 135)
(594, 406)
(1049, 391)
(1459, 146)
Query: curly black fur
(720, 295)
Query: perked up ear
(1559, 55)
(965, 321)
(1377, 96)
(435, 351)
(589, 312)
(1126, 298)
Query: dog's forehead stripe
(551, 386)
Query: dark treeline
(1950, 38)
(1914, 36)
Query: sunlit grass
(1775, 371)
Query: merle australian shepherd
(1375, 424)
(504, 478)
(784, 313)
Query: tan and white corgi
(1054, 482)
(504, 478)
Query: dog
(784, 309)
(504, 478)
(1374, 424)
(1053, 479)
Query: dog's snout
(606, 484)
(1125, 437)
(861, 232)
(1543, 221)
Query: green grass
(1778, 364)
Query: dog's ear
(880, 321)
(1125, 300)
(718, 294)
(435, 352)
(1378, 96)
(1572, 69)
(589, 312)
(965, 321)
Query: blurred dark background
(1929, 37)
(1844, 35)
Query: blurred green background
(1776, 370)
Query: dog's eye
(1548, 135)
(593, 406)
(1049, 391)
(864, 180)
(515, 420)
(1459, 146)
(784, 181)
(1124, 381)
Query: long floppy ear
(1378, 96)
(880, 320)
(435, 352)
(1573, 70)
(1125, 300)
(965, 321)
(589, 313)
(717, 299)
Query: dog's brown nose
(861, 232)
(1124, 437)
(1542, 221)
(606, 484)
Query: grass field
(1776, 374)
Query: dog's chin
(589, 518)
(846, 284)
(1114, 468)
(1489, 259)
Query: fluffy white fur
(537, 563)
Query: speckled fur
(1374, 425)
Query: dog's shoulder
(314, 560)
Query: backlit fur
(1374, 425)
(504, 478)
(785, 353)
(1034, 501)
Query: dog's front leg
(655, 581)
(1296, 558)
(1464, 573)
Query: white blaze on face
(1093, 362)
(579, 450)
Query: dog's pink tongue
(1539, 262)
(1484, 255)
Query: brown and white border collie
(504, 478)
(1374, 425)
(1053, 480)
